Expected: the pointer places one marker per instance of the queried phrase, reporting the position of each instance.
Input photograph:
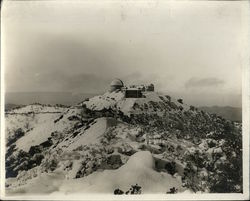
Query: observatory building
(116, 84)
(132, 91)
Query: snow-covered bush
(180, 101)
(134, 189)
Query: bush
(171, 168)
(180, 125)
(172, 190)
(192, 108)
(134, 189)
(118, 192)
(168, 97)
(180, 101)
(114, 161)
(17, 134)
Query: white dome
(116, 82)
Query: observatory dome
(116, 84)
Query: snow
(29, 117)
(72, 173)
(192, 150)
(218, 150)
(43, 184)
(116, 100)
(106, 100)
(153, 96)
(203, 145)
(37, 108)
(142, 159)
(126, 105)
(138, 170)
(91, 135)
(40, 133)
(38, 127)
(214, 150)
(13, 122)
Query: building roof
(116, 82)
(133, 89)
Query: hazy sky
(192, 49)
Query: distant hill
(10, 106)
(227, 112)
(26, 98)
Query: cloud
(81, 82)
(87, 83)
(204, 82)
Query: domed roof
(116, 82)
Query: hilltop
(155, 141)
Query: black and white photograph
(124, 100)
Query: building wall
(133, 94)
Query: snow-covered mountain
(109, 143)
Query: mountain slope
(100, 135)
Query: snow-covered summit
(105, 101)
(151, 102)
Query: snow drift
(139, 169)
